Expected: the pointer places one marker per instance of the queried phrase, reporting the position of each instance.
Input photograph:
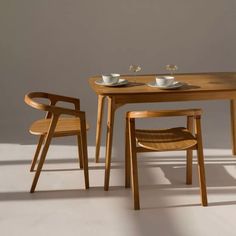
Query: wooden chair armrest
(29, 100)
(164, 113)
(67, 111)
(54, 98)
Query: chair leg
(109, 137)
(41, 162)
(134, 174)
(33, 163)
(134, 167)
(201, 168)
(48, 139)
(99, 126)
(127, 157)
(80, 151)
(201, 173)
(189, 161)
(189, 166)
(85, 154)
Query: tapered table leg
(99, 125)
(83, 138)
(201, 168)
(189, 156)
(110, 124)
(127, 155)
(233, 124)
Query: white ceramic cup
(110, 79)
(164, 81)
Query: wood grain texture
(99, 126)
(80, 150)
(55, 125)
(134, 166)
(109, 137)
(34, 161)
(189, 153)
(172, 139)
(197, 86)
(233, 124)
(178, 138)
(164, 113)
(65, 126)
(197, 82)
(48, 139)
(127, 154)
(201, 167)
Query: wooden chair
(172, 139)
(55, 125)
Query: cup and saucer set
(165, 82)
(111, 80)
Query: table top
(193, 82)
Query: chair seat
(165, 140)
(65, 126)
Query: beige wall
(55, 45)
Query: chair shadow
(218, 180)
(78, 169)
(211, 204)
(175, 172)
(50, 161)
(92, 192)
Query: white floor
(61, 206)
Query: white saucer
(175, 85)
(121, 82)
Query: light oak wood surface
(164, 140)
(189, 156)
(178, 138)
(197, 86)
(99, 125)
(193, 82)
(65, 126)
(55, 125)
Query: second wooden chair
(172, 139)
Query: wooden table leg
(233, 124)
(99, 125)
(110, 124)
(189, 156)
(127, 155)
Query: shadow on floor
(157, 210)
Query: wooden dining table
(196, 86)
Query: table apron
(172, 97)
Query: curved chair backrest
(164, 113)
(51, 107)
(29, 99)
